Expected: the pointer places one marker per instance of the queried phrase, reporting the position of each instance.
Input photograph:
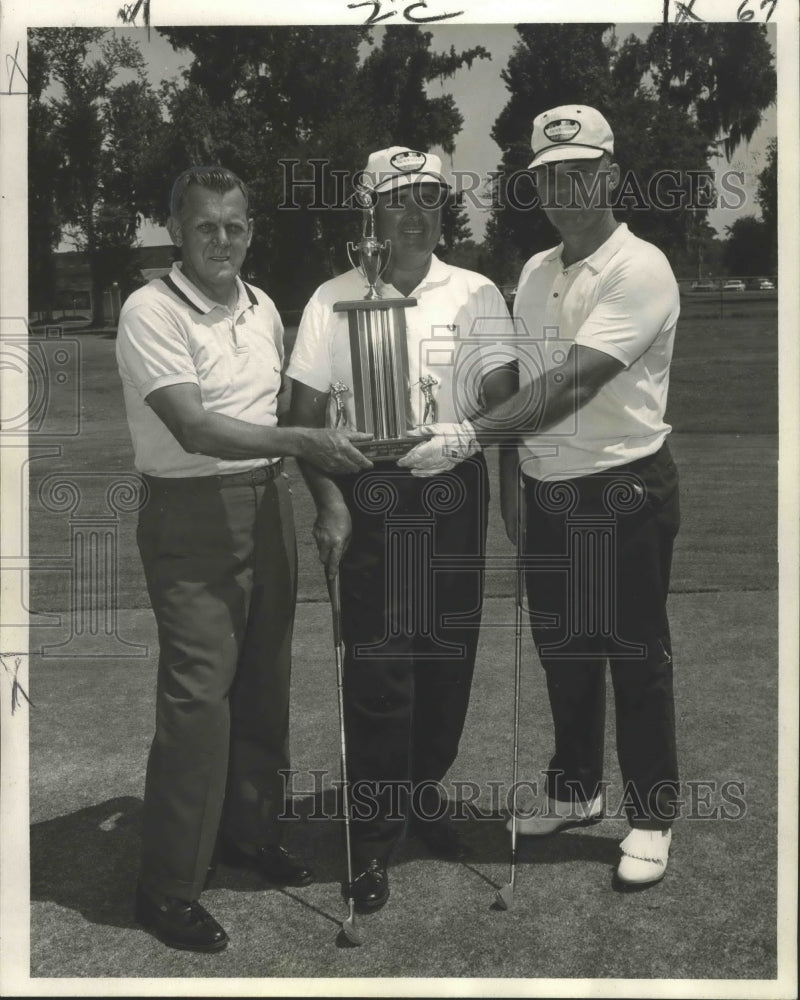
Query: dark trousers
(600, 551)
(411, 612)
(221, 570)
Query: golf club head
(351, 932)
(505, 897)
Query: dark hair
(215, 178)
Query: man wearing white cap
(406, 699)
(600, 491)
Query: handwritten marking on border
(16, 688)
(376, 16)
(12, 66)
(744, 12)
(128, 13)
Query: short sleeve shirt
(172, 335)
(622, 300)
(458, 331)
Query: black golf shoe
(180, 923)
(369, 890)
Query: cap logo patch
(562, 130)
(408, 161)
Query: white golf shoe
(644, 858)
(557, 815)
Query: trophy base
(387, 449)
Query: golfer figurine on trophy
(378, 349)
(426, 383)
(338, 389)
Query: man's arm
(333, 525)
(200, 431)
(500, 384)
(551, 397)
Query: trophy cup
(378, 350)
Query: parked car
(765, 285)
(733, 286)
(702, 286)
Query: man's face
(411, 218)
(214, 233)
(573, 192)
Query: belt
(252, 477)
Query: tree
(749, 249)
(44, 219)
(98, 134)
(702, 256)
(767, 195)
(723, 75)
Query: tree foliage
(749, 249)
(92, 133)
(767, 193)
(722, 75)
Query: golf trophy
(378, 350)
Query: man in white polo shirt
(410, 632)
(600, 490)
(200, 355)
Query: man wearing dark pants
(406, 697)
(600, 490)
(400, 534)
(629, 516)
(200, 355)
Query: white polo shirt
(623, 300)
(458, 331)
(168, 336)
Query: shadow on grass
(317, 833)
(88, 860)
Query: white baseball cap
(570, 132)
(399, 166)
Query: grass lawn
(713, 917)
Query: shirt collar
(200, 299)
(601, 256)
(438, 274)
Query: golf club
(505, 894)
(349, 928)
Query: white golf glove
(447, 445)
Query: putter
(505, 894)
(349, 929)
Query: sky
(480, 95)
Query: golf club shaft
(336, 608)
(517, 667)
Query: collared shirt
(623, 300)
(169, 336)
(458, 331)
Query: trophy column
(379, 358)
